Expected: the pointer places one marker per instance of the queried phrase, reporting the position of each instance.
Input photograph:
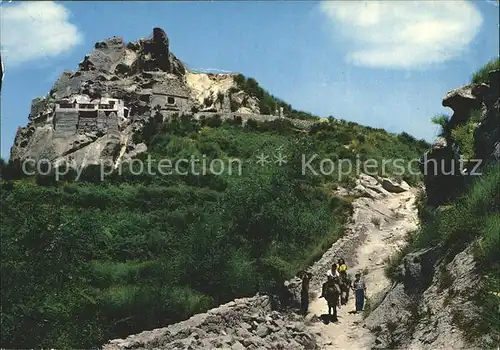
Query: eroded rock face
(445, 175)
(433, 299)
(374, 187)
(463, 100)
(421, 311)
(75, 122)
(487, 134)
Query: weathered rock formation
(487, 134)
(90, 115)
(430, 304)
(373, 187)
(445, 173)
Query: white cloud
(36, 30)
(403, 34)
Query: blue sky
(380, 63)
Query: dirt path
(387, 221)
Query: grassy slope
(90, 261)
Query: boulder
(394, 187)
(237, 346)
(361, 191)
(418, 269)
(1, 72)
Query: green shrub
(463, 135)
(481, 76)
(213, 122)
(252, 124)
(443, 121)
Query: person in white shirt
(333, 271)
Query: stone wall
(302, 124)
(179, 103)
(247, 323)
(81, 118)
(66, 122)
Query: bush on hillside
(268, 103)
(443, 121)
(481, 76)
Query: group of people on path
(336, 289)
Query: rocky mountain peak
(91, 114)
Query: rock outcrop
(91, 115)
(395, 187)
(426, 308)
(374, 187)
(487, 134)
(446, 174)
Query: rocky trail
(378, 227)
(388, 222)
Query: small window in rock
(170, 100)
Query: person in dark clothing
(331, 292)
(345, 286)
(304, 292)
(359, 288)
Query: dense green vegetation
(461, 135)
(86, 261)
